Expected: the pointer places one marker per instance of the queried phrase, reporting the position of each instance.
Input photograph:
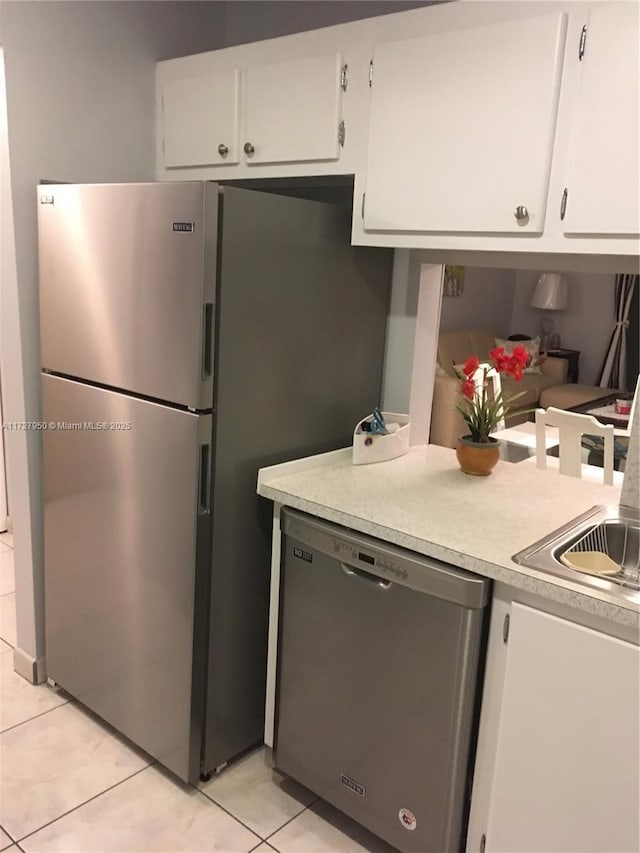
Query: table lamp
(551, 293)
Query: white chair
(632, 412)
(571, 427)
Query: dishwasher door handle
(365, 576)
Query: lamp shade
(551, 292)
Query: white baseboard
(33, 670)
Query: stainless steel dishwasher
(380, 654)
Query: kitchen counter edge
(323, 486)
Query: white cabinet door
(566, 774)
(603, 181)
(200, 120)
(462, 128)
(293, 110)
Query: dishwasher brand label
(407, 819)
(352, 786)
(303, 555)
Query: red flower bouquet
(476, 406)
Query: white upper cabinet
(200, 120)
(284, 112)
(481, 130)
(462, 128)
(293, 110)
(603, 175)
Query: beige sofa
(454, 348)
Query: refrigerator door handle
(207, 333)
(204, 480)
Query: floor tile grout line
(220, 806)
(8, 834)
(86, 802)
(287, 822)
(35, 716)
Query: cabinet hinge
(583, 41)
(362, 206)
(483, 843)
(344, 77)
(371, 74)
(505, 628)
(563, 203)
(342, 132)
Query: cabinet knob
(223, 150)
(249, 150)
(521, 213)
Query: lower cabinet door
(566, 775)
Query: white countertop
(422, 501)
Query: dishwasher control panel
(391, 563)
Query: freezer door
(127, 282)
(126, 529)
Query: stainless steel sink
(615, 530)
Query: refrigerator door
(127, 278)
(299, 352)
(126, 532)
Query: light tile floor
(69, 783)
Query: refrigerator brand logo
(46, 199)
(184, 227)
(353, 786)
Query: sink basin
(614, 531)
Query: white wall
(254, 20)
(80, 80)
(486, 302)
(587, 323)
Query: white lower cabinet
(566, 762)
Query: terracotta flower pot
(477, 457)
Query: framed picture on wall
(453, 281)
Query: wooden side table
(573, 357)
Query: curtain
(614, 368)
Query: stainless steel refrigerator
(190, 334)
